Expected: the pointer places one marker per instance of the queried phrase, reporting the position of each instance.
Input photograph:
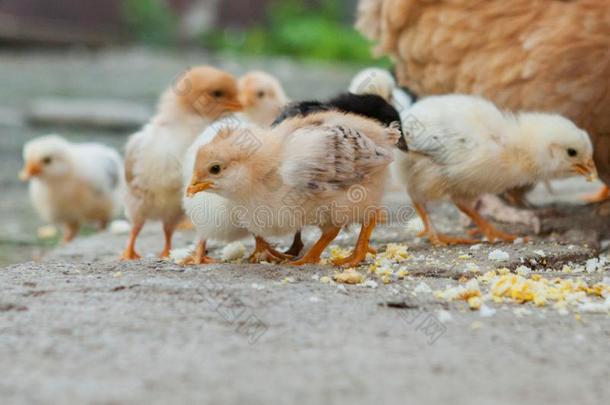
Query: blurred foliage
(151, 22)
(293, 29)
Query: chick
(262, 96)
(464, 146)
(367, 105)
(214, 217)
(380, 82)
(72, 184)
(302, 173)
(153, 156)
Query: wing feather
(330, 158)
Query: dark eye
(218, 93)
(47, 160)
(572, 152)
(215, 169)
(260, 94)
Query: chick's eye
(260, 94)
(47, 160)
(215, 169)
(218, 93)
(572, 152)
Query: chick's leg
(486, 228)
(130, 251)
(199, 256)
(264, 252)
(602, 195)
(296, 247)
(168, 232)
(70, 231)
(314, 253)
(435, 238)
(362, 246)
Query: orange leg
(168, 232)
(264, 252)
(484, 226)
(199, 256)
(602, 195)
(130, 252)
(70, 232)
(438, 239)
(362, 246)
(185, 225)
(314, 253)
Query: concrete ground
(79, 326)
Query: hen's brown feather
(541, 55)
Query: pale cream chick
(154, 156)
(262, 96)
(73, 184)
(302, 173)
(461, 147)
(215, 217)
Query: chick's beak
(587, 170)
(197, 186)
(232, 105)
(246, 100)
(31, 169)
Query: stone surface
(79, 326)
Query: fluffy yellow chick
(72, 184)
(262, 96)
(153, 156)
(461, 147)
(302, 173)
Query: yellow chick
(461, 147)
(262, 96)
(154, 156)
(72, 184)
(302, 173)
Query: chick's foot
(198, 257)
(487, 229)
(439, 239)
(602, 195)
(362, 247)
(130, 251)
(264, 252)
(315, 252)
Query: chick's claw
(439, 239)
(198, 257)
(601, 195)
(130, 254)
(264, 252)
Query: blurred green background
(300, 29)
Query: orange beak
(246, 99)
(587, 170)
(232, 105)
(198, 186)
(30, 170)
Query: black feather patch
(366, 105)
